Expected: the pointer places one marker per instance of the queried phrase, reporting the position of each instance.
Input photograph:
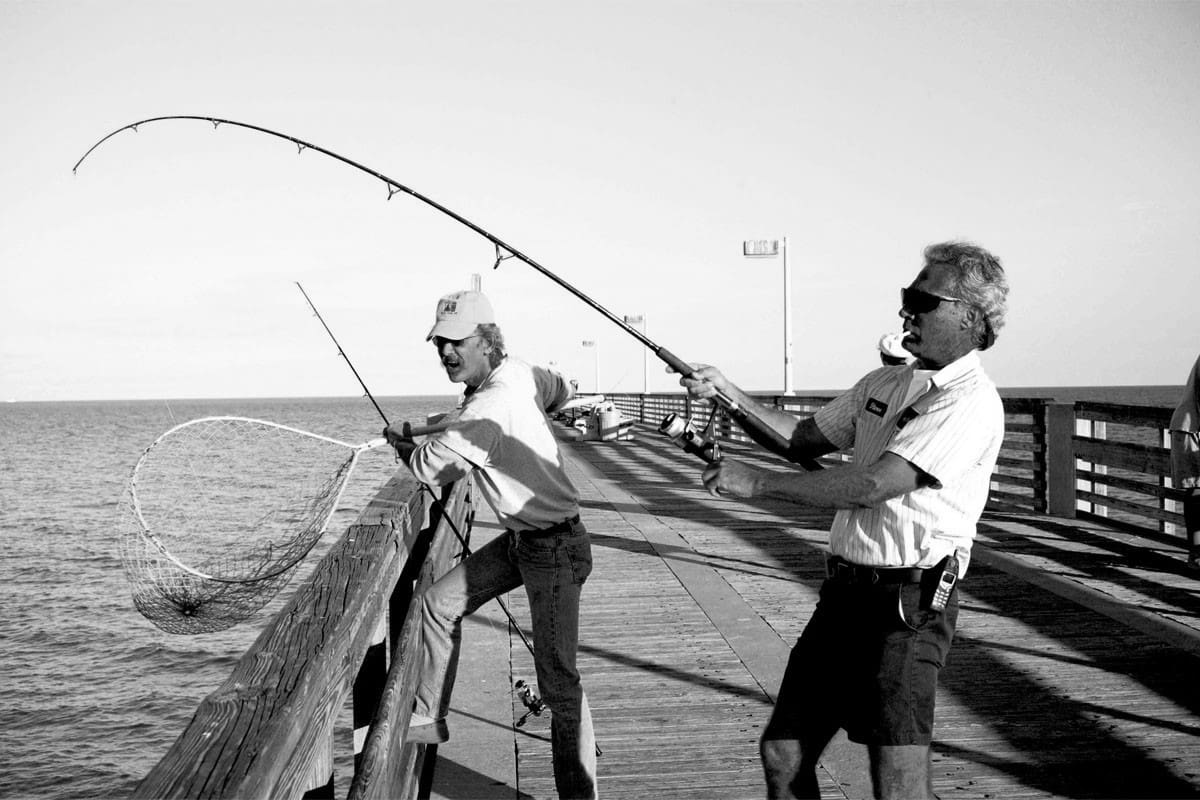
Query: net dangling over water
(206, 539)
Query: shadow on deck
(1074, 672)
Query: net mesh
(209, 533)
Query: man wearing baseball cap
(502, 433)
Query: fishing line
(409, 431)
(504, 251)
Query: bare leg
(901, 772)
(790, 765)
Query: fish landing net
(207, 535)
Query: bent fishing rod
(744, 416)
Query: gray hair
(979, 281)
(490, 333)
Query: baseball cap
(459, 313)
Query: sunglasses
(441, 341)
(915, 301)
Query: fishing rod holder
(685, 434)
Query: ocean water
(92, 693)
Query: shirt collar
(965, 368)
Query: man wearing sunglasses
(501, 432)
(925, 438)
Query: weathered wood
(1137, 509)
(1060, 459)
(390, 768)
(260, 733)
(1140, 416)
(1140, 487)
(1123, 455)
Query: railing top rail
(1148, 416)
(254, 736)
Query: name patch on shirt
(876, 407)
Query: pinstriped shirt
(952, 431)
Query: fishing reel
(685, 434)
(534, 704)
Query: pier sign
(760, 247)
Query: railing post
(1166, 482)
(320, 781)
(1060, 459)
(368, 687)
(1096, 430)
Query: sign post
(769, 248)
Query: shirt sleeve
(454, 452)
(553, 390)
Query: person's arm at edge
(564, 392)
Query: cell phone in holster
(945, 584)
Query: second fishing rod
(409, 431)
(525, 693)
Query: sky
(628, 147)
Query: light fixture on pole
(596, 352)
(640, 321)
(769, 248)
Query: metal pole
(788, 386)
(645, 362)
(640, 320)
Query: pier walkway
(1075, 671)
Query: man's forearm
(840, 487)
(767, 426)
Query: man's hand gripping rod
(705, 445)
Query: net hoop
(148, 534)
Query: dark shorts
(867, 662)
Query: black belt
(840, 570)
(566, 526)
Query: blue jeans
(553, 568)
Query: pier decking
(1075, 671)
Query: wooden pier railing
(1101, 461)
(348, 635)
(268, 731)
